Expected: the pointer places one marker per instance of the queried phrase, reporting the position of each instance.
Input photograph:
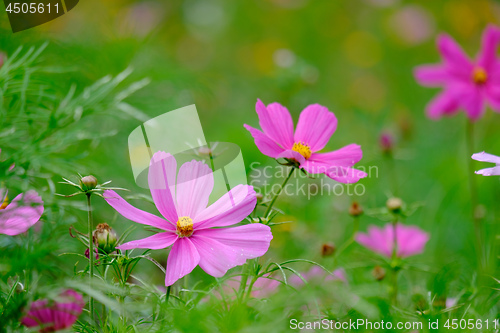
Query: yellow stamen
(302, 149)
(5, 203)
(184, 226)
(479, 75)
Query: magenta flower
(314, 129)
(319, 275)
(410, 240)
(52, 316)
(21, 214)
(467, 84)
(485, 157)
(198, 233)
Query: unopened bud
(259, 196)
(355, 209)
(88, 183)
(327, 249)
(105, 238)
(394, 204)
(378, 273)
(386, 142)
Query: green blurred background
(356, 57)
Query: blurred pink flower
(410, 240)
(262, 288)
(485, 157)
(386, 142)
(467, 84)
(319, 275)
(21, 213)
(51, 316)
(189, 225)
(315, 127)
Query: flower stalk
(91, 251)
(276, 195)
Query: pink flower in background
(262, 288)
(51, 316)
(314, 129)
(485, 157)
(467, 84)
(21, 213)
(197, 232)
(410, 240)
(386, 142)
(319, 275)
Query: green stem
(167, 295)
(351, 239)
(91, 254)
(270, 207)
(473, 189)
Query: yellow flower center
(5, 203)
(184, 226)
(479, 75)
(302, 149)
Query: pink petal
(431, 75)
(249, 241)
(130, 212)
(265, 144)
(377, 240)
(473, 103)
(315, 127)
(345, 175)
(489, 45)
(454, 57)
(195, 182)
(161, 180)
(215, 258)
(492, 94)
(276, 122)
(411, 240)
(230, 209)
(292, 155)
(346, 157)
(183, 258)
(446, 103)
(22, 213)
(485, 157)
(495, 171)
(155, 242)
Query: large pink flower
(55, 315)
(314, 129)
(467, 84)
(21, 214)
(485, 157)
(197, 232)
(410, 240)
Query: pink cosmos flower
(52, 316)
(318, 274)
(467, 84)
(485, 157)
(198, 233)
(21, 214)
(314, 129)
(410, 240)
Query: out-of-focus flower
(105, 238)
(485, 157)
(466, 84)
(413, 24)
(21, 213)
(189, 225)
(410, 240)
(315, 127)
(355, 209)
(386, 142)
(327, 249)
(51, 316)
(317, 274)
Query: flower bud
(378, 273)
(327, 249)
(259, 197)
(386, 142)
(355, 209)
(394, 204)
(88, 183)
(105, 238)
